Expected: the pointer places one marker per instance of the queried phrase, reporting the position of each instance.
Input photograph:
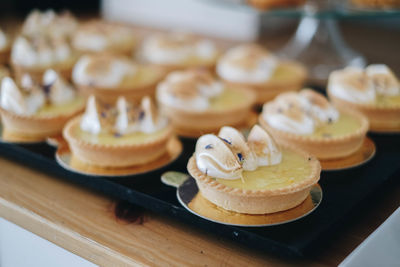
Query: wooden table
(84, 221)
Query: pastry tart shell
(20, 128)
(114, 156)
(269, 90)
(5, 55)
(381, 119)
(36, 73)
(255, 201)
(323, 148)
(194, 124)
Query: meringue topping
(247, 64)
(216, 159)
(189, 90)
(12, 99)
(98, 36)
(299, 113)
(59, 92)
(49, 23)
(363, 86)
(176, 48)
(227, 155)
(102, 70)
(39, 50)
(124, 118)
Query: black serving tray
(343, 192)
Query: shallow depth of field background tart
(288, 76)
(107, 150)
(124, 45)
(383, 117)
(240, 197)
(133, 88)
(47, 121)
(232, 107)
(36, 72)
(5, 55)
(376, 3)
(330, 147)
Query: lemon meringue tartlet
(33, 111)
(118, 136)
(252, 66)
(34, 55)
(100, 36)
(307, 120)
(177, 51)
(254, 176)
(197, 103)
(109, 76)
(373, 91)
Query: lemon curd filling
(145, 75)
(387, 101)
(283, 72)
(346, 124)
(228, 99)
(54, 110)
(106, 138)
(293, 169)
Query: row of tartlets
(270, 170)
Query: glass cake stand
(318, 42)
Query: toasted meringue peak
(90, 121)
(59, 91)
(215, 158)
(102, 70)
(176, 48)
(13, 100)
(352, 84)
(150, 121)
(190, 89)
(247, 64)
(264, 147)
(26, 82)
(122, 121)
(319, 106)
(238, 145)
(383, 79)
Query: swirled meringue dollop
(238, 145)
(90, 121)
(352, 84)
(216, 159)
(227, 155)
(102, 70)
(383, 79)
(98, 36)
(264, 147)
(189, 90)
(299, 113)
(247, 64)
(12, 99)
(176, 48)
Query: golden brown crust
(5, 56)
(270, 89)
(21, 128)
(114, 155)
(256, 201)
(323, 148)
(194, 124)
(381, 119)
